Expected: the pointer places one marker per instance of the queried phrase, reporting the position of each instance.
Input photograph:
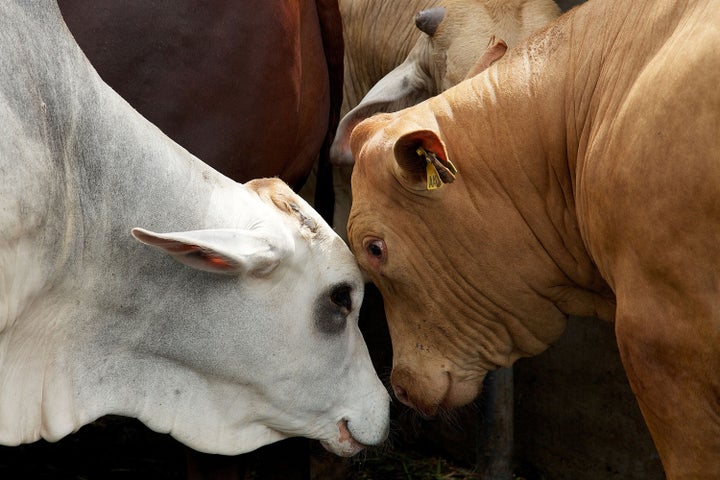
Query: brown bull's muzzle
(430, 389)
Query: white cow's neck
(104, 170)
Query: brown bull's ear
(422, 161)
(494, 52)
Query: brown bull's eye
(376, 248)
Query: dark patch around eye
(341, 297)
(332, 308)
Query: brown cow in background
(251, 88)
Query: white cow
(238, 330)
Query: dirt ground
(116, 448)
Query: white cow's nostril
(353, 446)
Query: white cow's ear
(230, 251)
(421, 161)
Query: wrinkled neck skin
(517, 158)
(511, 209)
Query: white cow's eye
(340, 296)
(333, 308)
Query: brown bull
(580, 175)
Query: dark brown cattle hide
(245, 86)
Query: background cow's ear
(422, 162)
(406, 85)
(230, 251)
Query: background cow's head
(454, 37)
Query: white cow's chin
(344, 445)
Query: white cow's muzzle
(345, 445)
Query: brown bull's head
(453, 258)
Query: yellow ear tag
(433, 177)
(434, 181)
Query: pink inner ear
(431, 143)
(215, 260)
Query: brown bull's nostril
(402, 395)
(423, 393)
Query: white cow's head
(227, 338)
(279, 353)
